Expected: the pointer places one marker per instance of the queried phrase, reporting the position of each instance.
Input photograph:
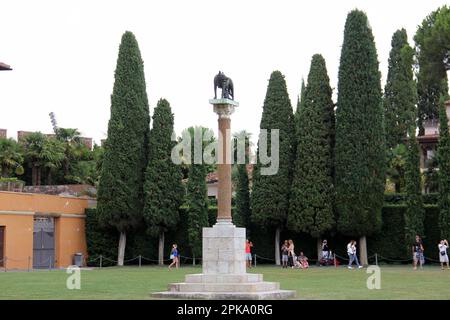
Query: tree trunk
(34, 175)
(66, 168)
(3, 172)
(363, 251)
(161, 249)
(277, 246)
(319, 249)
(49, 177)
(38, 174)
(122, 244)
(193, 259)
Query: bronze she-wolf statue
(223, 82)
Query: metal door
(43, 243)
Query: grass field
(397, 282)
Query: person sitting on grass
(443, 256)
(303, 261)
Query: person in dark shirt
(417, 249)
(284, 254)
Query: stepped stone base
(224, 272)
(267, 295)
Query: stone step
(264, 295)
(224, 278)
(224, 287)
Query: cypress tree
(360, 146)
(300, 103)
(443, 157)
(400, 92)
(241, 217)
(312, 193)
(270, 195)
(197, 203)
(120, 190)
(162, 189)
(415, 213)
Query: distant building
(212, 181)
(3, 133)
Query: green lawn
(399, 282)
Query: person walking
(325, 250)
(418, 250)
(291, 253)
(174, 256)
(443, 256)
(284, 254)
(248, 253)
(351, 251)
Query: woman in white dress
(443, 256)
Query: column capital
(224, 107)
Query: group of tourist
(418, 249)
(290, 259)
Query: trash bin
(78, 259)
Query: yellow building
(41, 231)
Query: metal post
(101, 259)
(139, 261)
(334, 260)
(376, 259)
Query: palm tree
(75, 150)
(34, 154)
(11, 157)
(52, 156)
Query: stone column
(224, 108)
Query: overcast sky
(64, 54)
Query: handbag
(443, 253)
(171, 256)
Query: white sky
(64, 54)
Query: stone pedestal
(223, 258)
(224, 271)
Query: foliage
(432, 39)
(312, 194)
(162, 189)
(197, 206)
(270, 194)
(360, 146)
(11, 158)
(443, 158)
(414, 215)
(120, 191)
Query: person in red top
(248, 253)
